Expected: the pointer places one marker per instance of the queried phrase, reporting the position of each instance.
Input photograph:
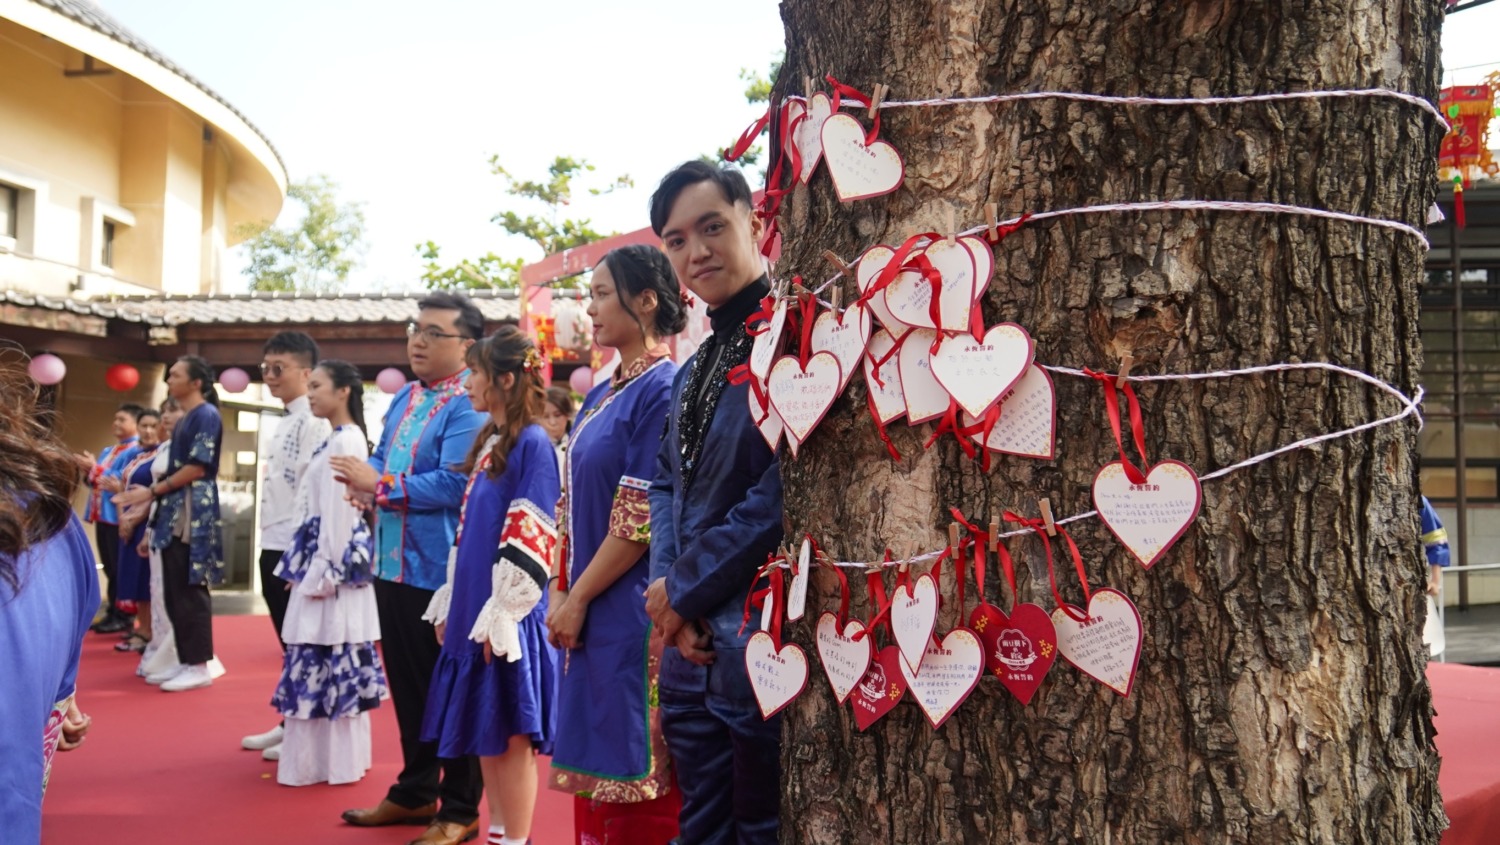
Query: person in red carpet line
(611, 755)
(48, 594)
(186, 525)
(103, 512)
(494, 686)
(287, 360)
(133, 573)
(414, 483)
(331, 674)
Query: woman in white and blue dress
(331, 676)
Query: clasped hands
(691, 640)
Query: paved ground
(1473, 635)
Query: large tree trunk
(1281, 694)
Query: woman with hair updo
(610, 753)
(185, 526)
(492, 691)
(48, 594)
(331, 675)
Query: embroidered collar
(454, 382)
(639, 366)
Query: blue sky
(402, 103)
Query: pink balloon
(390, 380)
(581, 380)
(234, 379)
(47, 369)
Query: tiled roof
(255, 308)
(94, 18)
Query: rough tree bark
(1281, 694)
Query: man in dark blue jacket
(715, 516)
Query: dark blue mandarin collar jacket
(709, 539)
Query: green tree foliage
(315, 254)
(545, 202)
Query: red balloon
(122, 377)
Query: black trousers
(274, 590)
(410, 650)
(107, 537)
(188, 606)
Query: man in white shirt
(287, 360)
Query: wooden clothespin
(834, 259)
(1126, 363)
(1047, 518)
(953, 543)
(876, 96)
(836, 297)
(807, 86)
(994, 535)
(991, 219)
(950, 218)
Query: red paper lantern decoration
(122, 377)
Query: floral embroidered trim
(630, 516)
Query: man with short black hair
(418, 492)
(101, 511)
(287, 359)
(715, 515)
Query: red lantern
(122, 377)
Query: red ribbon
(767, 310)
(1039, 528)
(898, 263)
(950, 423)
(809, 308)
(741, 374)
(1002, 231)
(757, 598)
(1137, 425)
(885, 436)
(748, 137)
(879, 604)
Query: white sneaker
(192, 677)
(158, 678)
(260, 742)
(273, 753)
(215, 668)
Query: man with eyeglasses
(287, 360)
(417, 497)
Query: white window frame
(28, 191)
(95, 212)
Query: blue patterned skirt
(329, 681)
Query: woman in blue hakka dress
(492, 691)
(610, 754)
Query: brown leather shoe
(447, 833)
(388, 813)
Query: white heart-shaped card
(763, 350)
(768, 422)
(924, 394)
(909, 297)
(977, 373)
(949, 672)
(809, 133)
(845, 659)
(776, 675)
(859, 171)
(1028, 419)
(984, 264)
(871, 262)
(887, 401)
(1148, 518)
(846, 336)
(1107, 646)
(913, 616)
(802, 396)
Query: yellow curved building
(119, 172)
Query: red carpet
(1467, 700)
(166, 768)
